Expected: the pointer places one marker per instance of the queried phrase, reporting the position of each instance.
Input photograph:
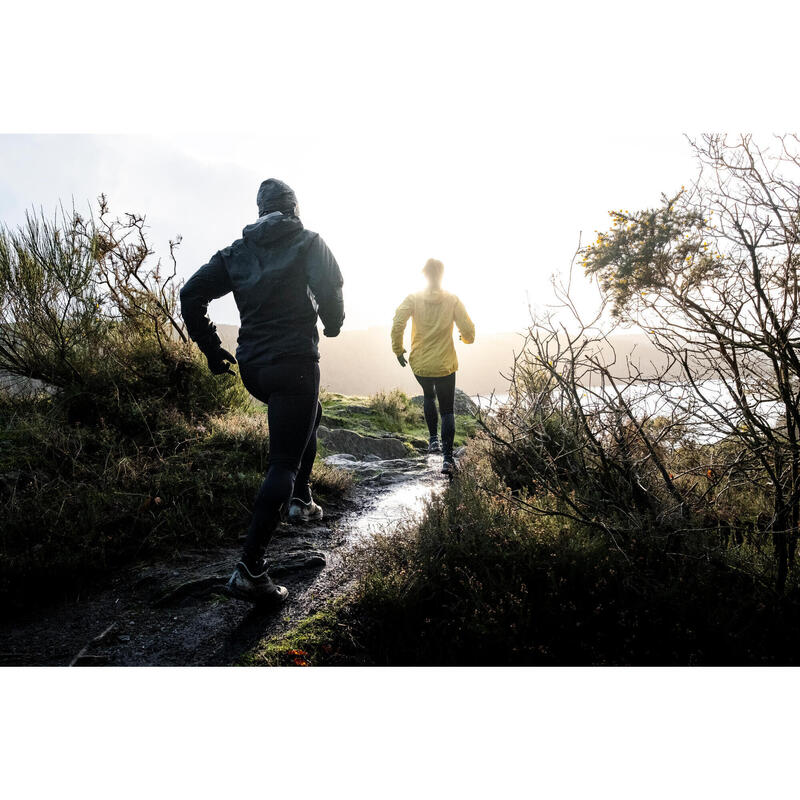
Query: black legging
(443, 389)
(291, 391)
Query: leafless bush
(705, 438)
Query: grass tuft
(386, 412)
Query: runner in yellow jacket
(433, 357)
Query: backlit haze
(502, 213)
(486, 135)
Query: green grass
(386, 412)
(79, 500)
(313, 640)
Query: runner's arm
(404, 311)
(210, 282)
(466, 327)
(325, 281)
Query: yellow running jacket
(432, 312)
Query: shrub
(711, 276)
(483, 581)
(86, 309)
(394, 410)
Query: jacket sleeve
(404, 311)
(208, 283)
(466, 327)
(325, 282)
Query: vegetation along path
(174, 612)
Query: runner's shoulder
(231, 249)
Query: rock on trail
(463, 403)
(341, 440)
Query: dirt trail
(174, 613)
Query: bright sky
(488, 135)
(502, 214)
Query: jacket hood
(275, 195)
(271, 227)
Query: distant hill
(361, 362)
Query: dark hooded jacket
(282, 277)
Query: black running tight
(443, 389)
(291, 391)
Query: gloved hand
(330, 333)
(217, 361)
(401, 359)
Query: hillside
(360, 362)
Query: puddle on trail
(400, 488)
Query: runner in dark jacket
(282, 277)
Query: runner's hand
(218, 362)
(401, 360)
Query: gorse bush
(86, 309)
(143, 381)
(712, 277)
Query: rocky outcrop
(463, 403)
(341, 440)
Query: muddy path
(174, 613)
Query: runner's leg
(429, 405)
(302, 490)
(292, 392)
(445, 392)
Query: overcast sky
(502, 213)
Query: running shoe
(300, 511)
(260, 588)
